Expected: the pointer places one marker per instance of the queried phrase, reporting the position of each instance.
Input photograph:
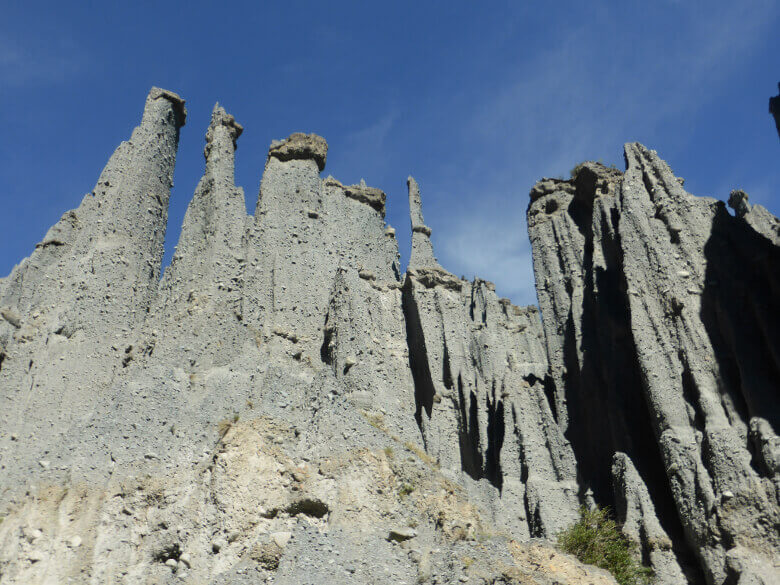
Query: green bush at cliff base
(595, 540)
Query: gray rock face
(659, 304)
(71, 308)
(479, 369)
(278, 403)
(284, 405)
(636, 515)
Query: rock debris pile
(284, 405)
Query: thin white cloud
(374, 136)
(367, 148)
(600, 99)
(23, 65)
(495, 248)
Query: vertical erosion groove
(740, 312)
(468, 433)
(495, 434)
(424, 390)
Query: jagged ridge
(284, 395)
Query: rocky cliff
(285, 405)
(660, 315)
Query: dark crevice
(523, 473)
(495, 436)
(740, 310)
(326, 349)
(172, 551)
(396, 271)
(468, 433)
(424, 389)
(446, 368)
(548, 387)
(603, 388)
(308, 507)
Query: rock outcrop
(286, 405)
(283, 404)
(663, 306)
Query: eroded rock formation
(282, 398)
(663, 306)
(286, 405)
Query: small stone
(74, 542)
(402, 534)
(281, 538)
(44, 464)
(186, 560)
(172, 563)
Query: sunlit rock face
(660, 312)
(268, 405)
(283, 404)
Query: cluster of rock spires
(285, 405)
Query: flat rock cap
(301, 146)
(178, 103)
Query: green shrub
(595, 540)
(405, 489)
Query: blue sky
(477, 100)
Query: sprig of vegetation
(595, 540)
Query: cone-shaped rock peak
(422, 248)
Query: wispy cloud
(580, 99)
(367, 148)
(24, 64)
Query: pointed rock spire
(422, 248)
(91, 281)
(162, 104)
(118, 230)
(211, 235)
(207, 268)
(220, 147)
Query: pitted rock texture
(261, 413)
(663, 306)
(284, 405)
(301, 146)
